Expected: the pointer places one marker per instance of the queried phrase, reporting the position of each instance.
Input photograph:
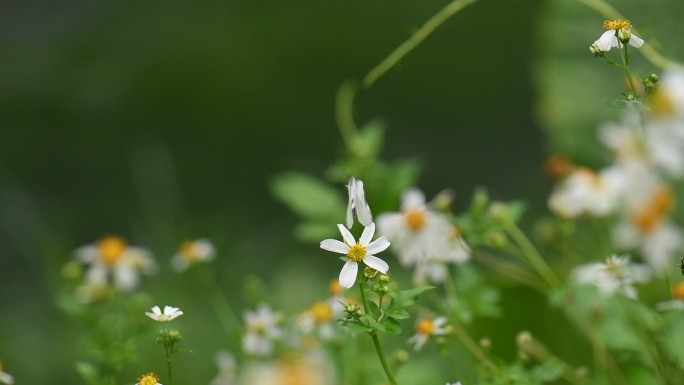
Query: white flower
(363, 251)
(190, 252)
(5, 378)
(113, 256)
(319, 318)
(167, 315)
(617, 274)
(357, 203)
(148, 379)
(312, 368)
(261, 330)
(618, 31)
(227, 369)
(455, 383)
(426, 328)
(585, 192)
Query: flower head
(618, 33)
(167, 315)
(426, 328)
(617, 274)
(190, 252)
(362, 251)
(262, 329)
(148, 379)
(357, 203)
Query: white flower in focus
(113, 256)
(169, 313)
(363, 251)
(227, 369)
(618, 32)
(357, 203)
(261, 330)
(5, 378)
(190, 252)
(616, 275)
(427, 328)
(148, 379)
(586, 192)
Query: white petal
(156, 310)
(412, 199)
(335, 246)
(636, 41)
(346, 235)
(363, 211)
(376, 263)
(367, 234)
(378, 245)
(348, 274)
(606, 41)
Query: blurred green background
(161, 122)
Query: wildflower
(433, 267)
(426, 328)
(585, 192)
(618, 33)
(227, 369)
(319, 318)
(5, 378)
(309, 369)
(167, 315)
(357, 203)
(113, 256)
(617, 274)
(148, 379)
(363, 251)
(262, 330)
(190, 252)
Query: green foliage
(474, 297)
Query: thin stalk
(376, 340)
(533, 255)
(625, 67)
(509, 269)
(169, 353)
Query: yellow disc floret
(322, 312)
(188, 251)
(425, 327)
(678, 290)
(357, 252)
(415, 219)
(111, 249)
(617, 24)
(148, 379)
(661, 203)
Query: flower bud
(623, 35)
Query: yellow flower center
(662, 202)
(357, 252)
(415, 219)
(425, 327)
(322, 312)
(188, 251)
(335, 288)
(148, 379)
(678, 290)
(617, 24)
(111, 249)
(455, 233)
(661, 104)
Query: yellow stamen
(415, 219)
(357, 252)
(189, 251)
(455, 233)
(661, 104)
(678, 290)
(425, 327)
(148, 379)
(617, 24)
(662, 202)
(111, 249)
(322, 312)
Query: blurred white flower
(363, 251)
(167, 315)
(618, 32)
(586, 192)
(455, 383)
(427, 328)
(148, 379)
(312, 368)
(5, 378)
(357, 203)
(113, 256)
(261, 330)
(320, 319)
(190, 252)
(616, 275)
(227, 369)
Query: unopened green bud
(595, 50)
(496, 239)
(369, 273)
(624, 34)
(384, 279)
(400, 357)
(352, 311)
(380, 289)
(500, 212)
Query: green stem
(344, 114)
(421, 34)
(625, 67)
(533, 255)
(383, 361)
(169, 353)
(510, 269)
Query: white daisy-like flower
(261, 330)
(319, 319)
(586, 192)
(357, 203)
(190, 252)
(169, 313)
(618, 32)
(227, 369)
(427, 328)
(616, 275)
(112, 256)
(312, 368)
(5, 378)
(148, 379)
(363, 251)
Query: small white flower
(363, 251)
(190, 252)
(167, 315)
(226, 369)
(357, 203)
(618, 31)
(5, 378)
(617, 274)
(148, 379)
(427, 328)
(261, 330)
(586, 192)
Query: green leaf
(308, 197)
(356, 328)
(391, 325)
(550, 370)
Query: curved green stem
(533, 255)
(376, 340)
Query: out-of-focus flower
(677, 301)
(167, 315)
(357, 203)
(363, 251)
(433, 267)
(427, 328)
(320, 318)
(148, 379)
(226, 369)
(5, 378)
(618, 33)
(261, 330)
(455, 383)
(586, 192)
(616, 275)
(113, 256)
(190, 252)
(308, 369)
